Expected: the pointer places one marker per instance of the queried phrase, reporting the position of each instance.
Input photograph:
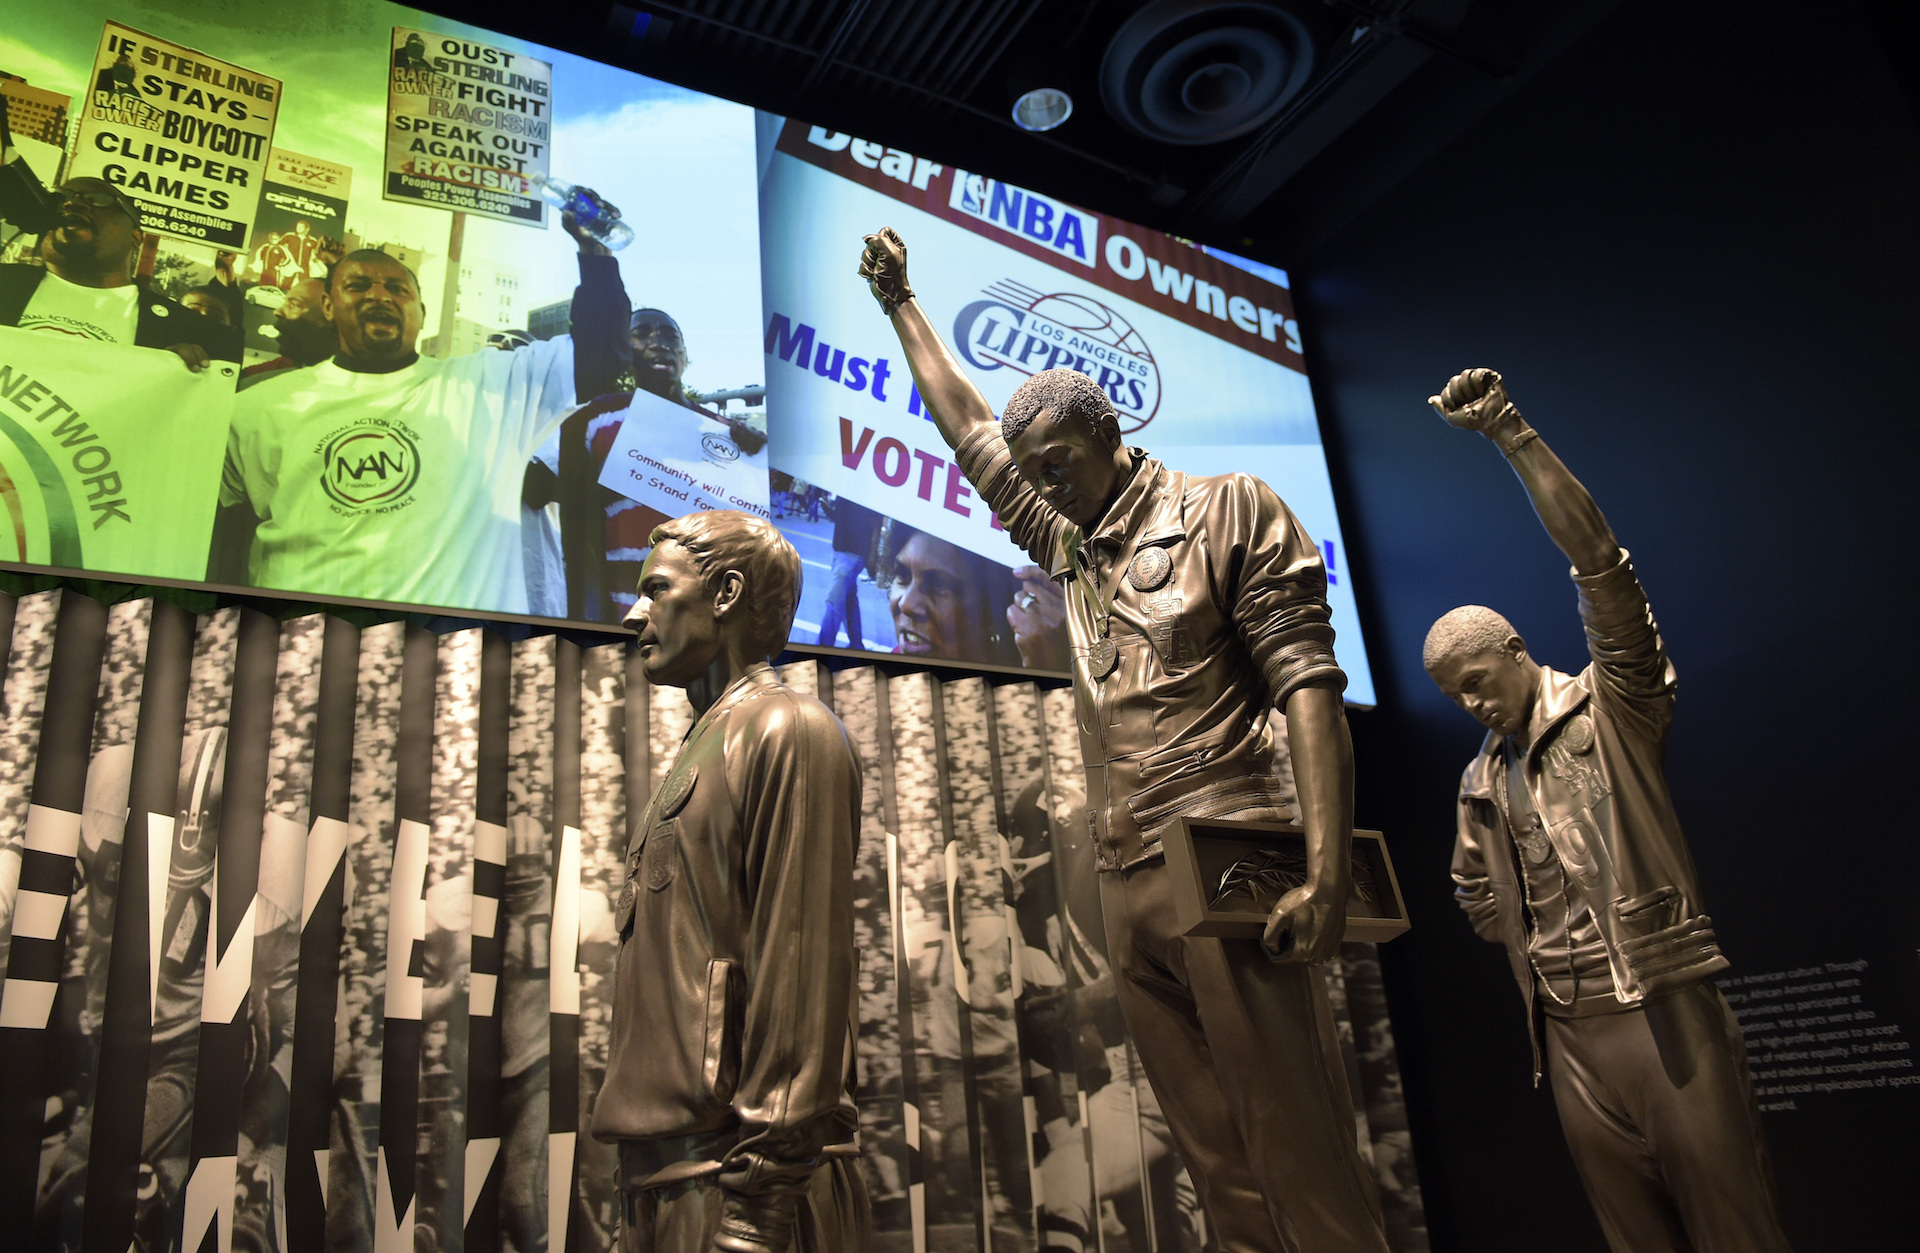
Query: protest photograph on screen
(366, 304)
(237, 197)
(1199, 352)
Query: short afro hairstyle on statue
(1064, 392)
(1467, 631)
(726, 539)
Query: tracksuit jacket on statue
(1236, 624)
(1648, 1068)
(1218, 602)
(733, 1023)
(1595, 775)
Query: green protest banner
(110, 456)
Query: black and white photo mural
(306, 932)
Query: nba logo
(973, 194)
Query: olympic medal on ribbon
(1102, 656)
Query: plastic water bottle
(595, 216)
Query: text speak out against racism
(468, 126)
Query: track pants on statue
(1658, 1109)
(1243, 1056)
(684, 1217)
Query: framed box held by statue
(1232, 872)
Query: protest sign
(88, 479)
(302, 203)
(467, 124)
(186, 135)
(670, 458)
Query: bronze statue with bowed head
(1569, 853)
(728, 1085)
(1180, 655)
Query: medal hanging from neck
(1103, 655)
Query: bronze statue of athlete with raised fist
(1197, 607)
(1569, 854)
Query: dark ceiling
(1261, 126)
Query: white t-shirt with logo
(109, 314)
(402, 486)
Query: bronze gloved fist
(884, 266)
(1476, 400)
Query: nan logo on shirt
(58, 324)
(369, 466)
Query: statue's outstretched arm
(955, 403)
(1476, 400)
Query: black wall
(1693, 247)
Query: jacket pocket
(1674, 956)
(1647, 915)
(720, 1065)
(1188, 755)
(1196, 797)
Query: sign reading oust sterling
(468, 125)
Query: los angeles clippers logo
(1029, 330)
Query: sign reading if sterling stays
(187, 136)
(467, 124)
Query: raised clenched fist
(1475, 400)
(884, 265)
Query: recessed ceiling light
(1042, 109)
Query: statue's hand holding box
(1230, 873)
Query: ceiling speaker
(1200, 71)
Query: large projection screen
(1201, 356)
(522, 474)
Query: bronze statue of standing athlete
(729, 1074)
(1570, 854)
(1196, 606)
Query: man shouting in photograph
(391, 476)
(86, 287)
